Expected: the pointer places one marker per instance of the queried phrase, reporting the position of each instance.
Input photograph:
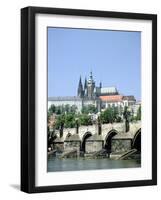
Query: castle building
(90, 94)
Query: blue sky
(113, 56)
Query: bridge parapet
(84, 129)
(135, 126)
(119, 128)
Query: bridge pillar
(94, 144)
(72, 143)
(121, 145)
(59, 145)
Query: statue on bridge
(98, 125)
(77, 125)
(126, 115)
(61, 129)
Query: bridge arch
(136, 143)
(85, 137)
(108, 140)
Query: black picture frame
(28, 98)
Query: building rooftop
(129, 98)
(109, 90)
(65, 98)
(111, 98)
(72, 98)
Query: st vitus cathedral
(90, 94)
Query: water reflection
(75, 164)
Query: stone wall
(121, 145)
(72, 145)
(93, 146)
(59, 147)
(106, 128)
(121, 142)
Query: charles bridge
(112, 138)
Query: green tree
(115, 113)
(67, 108)
(69, 120)
(110, 115)
(89, 109)
(107, 116)
(62, 109)
(85, 120)
(73, 109)
(60, 119)
(51, 109)
(58, 110)
(121, 110)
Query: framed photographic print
(88, 99)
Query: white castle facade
(100, 97)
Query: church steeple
(80, 88)
(85, 87)
(91, 76)
(90, 86)
(85, 83)
(100, 84)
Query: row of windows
(106, 105)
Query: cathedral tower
(80, 88)
(90, 86)
(85, 87)
(100, 84)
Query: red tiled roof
(111, 98)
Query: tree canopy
(89, 109)
(67, 116)
(110, 115)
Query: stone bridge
(113, 137)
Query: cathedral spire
(90, 80)
(85, 84)
(91, 76)
(80, 88)
(80, 81)
(100, 84)
(85, 87)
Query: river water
(56, 164)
